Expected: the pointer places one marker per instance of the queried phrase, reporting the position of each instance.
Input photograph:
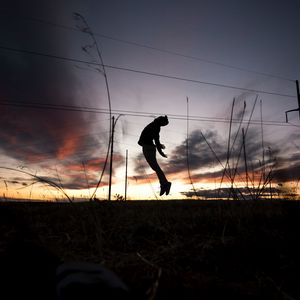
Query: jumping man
(149, 134)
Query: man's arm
(159, 149)
(159, 146)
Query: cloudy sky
(54, 100)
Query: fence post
(111, 157)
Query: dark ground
(161, 250)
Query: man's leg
(150, 155)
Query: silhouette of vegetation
(119, 197)
(170, 249)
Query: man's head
(162, 120)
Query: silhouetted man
(149, 134)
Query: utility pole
(112, 152)
(125, 198)
(297, 109)
(111, 157)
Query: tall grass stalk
(245, 159)
(241, 147)
(254, 189)
(232, 147)
(229, 136)
(187, 148)
(86, 29)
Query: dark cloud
(140, 164)
(32, 79)
(83, 174)
(289, 173)
(208, 156)
(200, 155)
(39, 136)
(227, 193)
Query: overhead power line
(11, 49)
(165, 51)
(48, 106)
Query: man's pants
(150, 155)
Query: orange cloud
(91, 165)
(68, 147)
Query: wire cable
(63, 58)
(165, 51)
(73, 108)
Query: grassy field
(172, 249)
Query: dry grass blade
(42, 180)
(152, 291)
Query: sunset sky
(157, 54)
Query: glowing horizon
(146, 189)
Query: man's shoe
(165, 188)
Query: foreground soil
(165, 250)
